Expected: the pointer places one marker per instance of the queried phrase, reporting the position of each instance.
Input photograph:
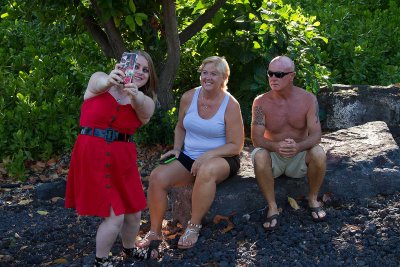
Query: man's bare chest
(277, 116)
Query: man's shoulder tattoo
(258, 116)
(316, 112)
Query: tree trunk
(171, 65)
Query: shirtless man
(286, 132)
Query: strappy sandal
(146, 240)
(149, 252)
(192, 233)
(103, 262)
(147, 248)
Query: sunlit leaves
(256, 45)
(199, 7)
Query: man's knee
(317, 155)
(261, 158)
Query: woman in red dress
(103, 178)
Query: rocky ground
(36, 232)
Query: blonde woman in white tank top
(209, 137)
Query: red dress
(102, 174)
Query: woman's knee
(157, 179)
(133, 218)
(115, 221)
(213, 170)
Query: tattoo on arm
(258, 117)
(316, 112)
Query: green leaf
(132, 6)
(138, 20)
(4, 15)
(142, 16)
(256, 45)
(130, 22)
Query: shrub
(44, 72)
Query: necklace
(120, 97)
(204, 106)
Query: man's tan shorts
(294, 167)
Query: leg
(208, 176)
(107, 234)
(266, 182)
(316, 161)
(161, 180)
(130, 229)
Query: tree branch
(196, 26)
(98, 35)
(114, 37)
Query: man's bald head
(283, 61)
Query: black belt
(108, 134)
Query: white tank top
(203, 135)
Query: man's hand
(287, 148)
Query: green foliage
(249, 34)
(160, 129)
(44, 72)
(46, 58)
(363, 36)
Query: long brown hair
(151, 87)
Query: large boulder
(362, 161)
(350, 105)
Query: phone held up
(127, 65)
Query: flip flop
(269, 220)
(316, 210)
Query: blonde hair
(221, 65)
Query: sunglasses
(278, 74)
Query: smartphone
(127, 65)
(167, 160)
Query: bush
(363, 37)
(44, 72)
